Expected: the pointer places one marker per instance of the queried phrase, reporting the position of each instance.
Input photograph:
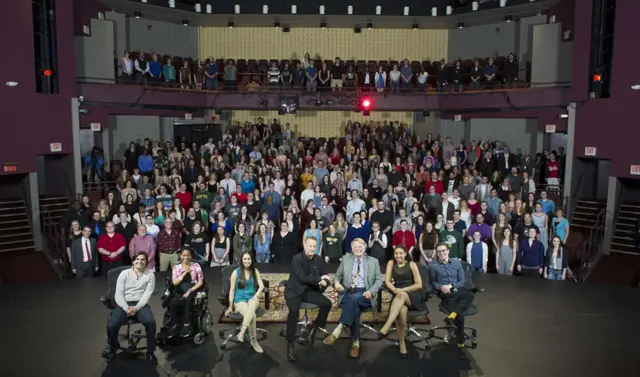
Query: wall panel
(518, 134)
(95, 53)
(482, 41)
(162, 37)
(321, 123)
(272, 43)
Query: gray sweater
(131, 288)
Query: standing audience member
(556, 261)
(84, 254)
(530, 256)
(111, 247)
(168, 242)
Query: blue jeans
(478, 269)
(353, 303)
(212, 84)
(263, 257)
(553, 274)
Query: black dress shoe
(186, 331)
(108, 355)
(477, 289)
(291, 352)
(172, 331)
(403, 355)
(312, 335)
(152, 358)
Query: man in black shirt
(337, 75)
(198, 242)
(522, 230)
(384, 218)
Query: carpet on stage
(278, 311)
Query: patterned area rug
(278, 310)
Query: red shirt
(242, 198)
(111, 244)
(553, 169)
(185, 199)
(406, 239)
(335, 160)
(437, 185)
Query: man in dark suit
(96, 225)
(446, 208)
(84, 254)
(506, 161)
(307, 280)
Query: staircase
(15, 229)
(55, 206)
(626, 220)
(586, 212)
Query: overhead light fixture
(323, 25)
(434, 12)
(185, 22)
(11, 84)
(265, 9)
(208, 8)
(635, 87)
(294, 9)
(460, 24)
(414, 26)
(563, 116)
(231, 24)
(508, 18)
(405, 11)
(449, 10)
(369, 25)
(198, 7)
(350, 9)
(503, 3)
(475, 5)
(236, 9)
(276, 24)
(321, 10)
(137, 14)
(172, 3)
(143, 1)
(378, 10)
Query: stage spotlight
(236, 9)
(415, 26)
(405, 11)
(198, 7)
(449, 10)
(350, 9)
(434, 12)
(503, 3)
(475, 5)
(321, 10)
(369, 25)
(508, 18)
(378, 10)
(276, 24)
(365, 105)
(172, 3)
(208, 8)
(323, 25)
(460, 24)
(294, 9)
(265, 9)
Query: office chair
(304, 322)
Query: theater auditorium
(319, 188)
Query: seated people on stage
(84, 262)
(404, 281)
(448, 278)
(357, 282)
(133, 290)
(244, 296)
(187, 278)
(307, 281)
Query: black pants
(458, 302)
(312, 297)
(530, 272)
(108, 266)
(118, 318)
(180, 309)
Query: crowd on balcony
(261, 189)
(315, 74)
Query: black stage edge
(526, 328)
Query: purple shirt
(484, 229)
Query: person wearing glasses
(111, 247)
(448, 278)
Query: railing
(588, 251)
(54, 248)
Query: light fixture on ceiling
(231, 24)
(460, 24)
(143, 1)
(508, 18)
(405, 11)
(434, 12)
(294, 9)
(503, 3)
(265, 9)
(414, 26)
(350, 9)
(635, 87)
(475, 5)
(137, 14)
(276, 24)
(198, 7)
(323, 25)
(236, 9)
(378, 10)
(321, 9)
(172, 3)
(563, 116)
(449, 10)
(369, 25)
(208, 8)
(185, 22)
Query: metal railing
(588, 251)
(54, 246)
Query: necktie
(97, 229)
(87, 250)
(355, 276)
(403, 243)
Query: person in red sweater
(184, 196)
(335, 157)
(241, 196)
(436, 183)
(404, 237)
(111, 247)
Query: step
(55, 205)
(584, 226)
(635, 214)
(624, 225)
(591, 204)
(627, 218)
(54, 198)
(17, 211)
(623, 239)
(582, 219)
(15, 244)
(631, 206)
(16, 228)
(582, 213)
(20, 248)
(11, 202)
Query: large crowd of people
(261, 196)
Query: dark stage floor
(526, 328)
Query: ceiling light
(208, 8)
(503, 3)
(137, 14)
(434, 12)
(185, 22)
(415, 26)
(265, 9)
(369, 25)
(635, 87)
(321, 10)
(460, 24)
(236, 9)
(172, 3)
(231, 24)
(11, 84)
(198, 7)
(449, 10)
(294, 9)
(350, 9)
(143, 1)
(323, 25)
(378, 10)
(563, 116)
(508, 18)
(475, 5)
(405, 11)
(276, 24)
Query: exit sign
(550, 128)
(10, 168)
(590, 151)
(634, 170)
(55, 147)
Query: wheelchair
(201, 318)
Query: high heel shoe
(382, 335)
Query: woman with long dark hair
(556, 260)
(427, 243)
(187, 277)
(244, 297)
(506, 252)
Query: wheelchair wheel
(198, 339)
(206, 323)
(474, 345)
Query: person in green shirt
(203, 196)
(453, 238)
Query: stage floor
(526, 328)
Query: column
(570, 156)
(106, 147)
(77, 155)
(613, 195)
(34, 208)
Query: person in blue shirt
(560, 226)
(155, 69)
(530, 256)
(145, 162)
(490, 71)
(548, 206)
(448, 278)
(211, 74)
(94, 162)
(247, 185)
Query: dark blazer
(565, 257)
(502, 162)
(303, 276)
(77, 250)
(450, 209)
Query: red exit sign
(634, 170)
(10, 168)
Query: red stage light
(597, 77)
(366, 103)
(47, 73)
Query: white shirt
(152, 230)
(86, 249)
(279, 185)
(381, 237)
(445, 206)
(229, 186)
(485, 253)
(455, 201)
(305, 197)
(128, 65)
(506, 160)
(422, 77)
(137, 65)
(354, 206)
